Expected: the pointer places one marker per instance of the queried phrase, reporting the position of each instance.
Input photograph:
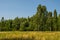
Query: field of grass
(32, 35)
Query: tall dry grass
(32, 35)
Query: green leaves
(41, 21)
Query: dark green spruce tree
(55, 26)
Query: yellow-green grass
(35, 35)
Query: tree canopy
(41, 21)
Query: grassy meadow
(32, 35)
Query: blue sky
(9, 9)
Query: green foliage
(41, 21)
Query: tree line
(41, 21)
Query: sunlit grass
(30, 35)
